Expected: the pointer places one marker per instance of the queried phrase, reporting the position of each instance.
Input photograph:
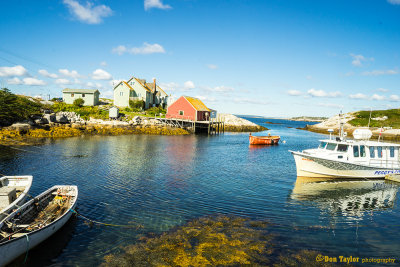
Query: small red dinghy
(264, 140)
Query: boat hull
(16, 247)
(16, 181)
(264, 140)
(314, 167)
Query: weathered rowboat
(13, 192)
(35, 221)
(264, 140)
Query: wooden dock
(211, 127)
(393, 177)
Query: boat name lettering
(387, 172)
(306, 159)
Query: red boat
(264, 140)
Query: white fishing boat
(344, 158)
(35, 221)
(13, 192)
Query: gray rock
(61, 119)
(50, 117)
(41, 121)
(21, 126)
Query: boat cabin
(373, 153)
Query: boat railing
(385, 163)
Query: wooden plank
(393, 177)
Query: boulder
(50, 117)
(61, 119)
(21, 126)
(41, 121)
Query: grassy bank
(362, 118)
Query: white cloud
(394, 2)
(114, 82)
(120, 50)
(321, 93)
(33, 81)
(100, 74)
(171, 86)
(62, 81)
(13, 71)
(309, 77)
(108, 94)
(330, 105)
(71, 74)
(206, 98)
(358, 96)
(45, 73)
(377, 97)
(188, 85)
(212, 66)
(14, 80)
(103, 63)
(394, 98)
(380, 72)
(88, 14)
(223, 88)
(294, 93)
(250, 101)
(145, 49)
(149, 4)
(357, 60)
(382, 90)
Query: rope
(27, 248)
(105, 224)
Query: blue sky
(273, 58)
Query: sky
(275, 58)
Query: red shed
(188, 108)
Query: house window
(72, 95)
(121, 93)
(181, 112)
(83, 95)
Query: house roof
(82, 91)
(197, 103)
(141, 82)
(159, 88)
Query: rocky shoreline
(386, 133)
(70, 124)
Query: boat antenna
(370, 113)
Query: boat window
(356, 151)
(391, 151)
(362, 151)
(342, 148)
(331, 146)
(372, 152)
(379, 148)
(322, 145)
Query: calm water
(161, 182)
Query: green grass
(85, 112)
(362, 118)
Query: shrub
(79, 102)
(136, 105)
(15, 108)
(155, 110)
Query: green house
(91, 96)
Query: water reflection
(349, 199)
